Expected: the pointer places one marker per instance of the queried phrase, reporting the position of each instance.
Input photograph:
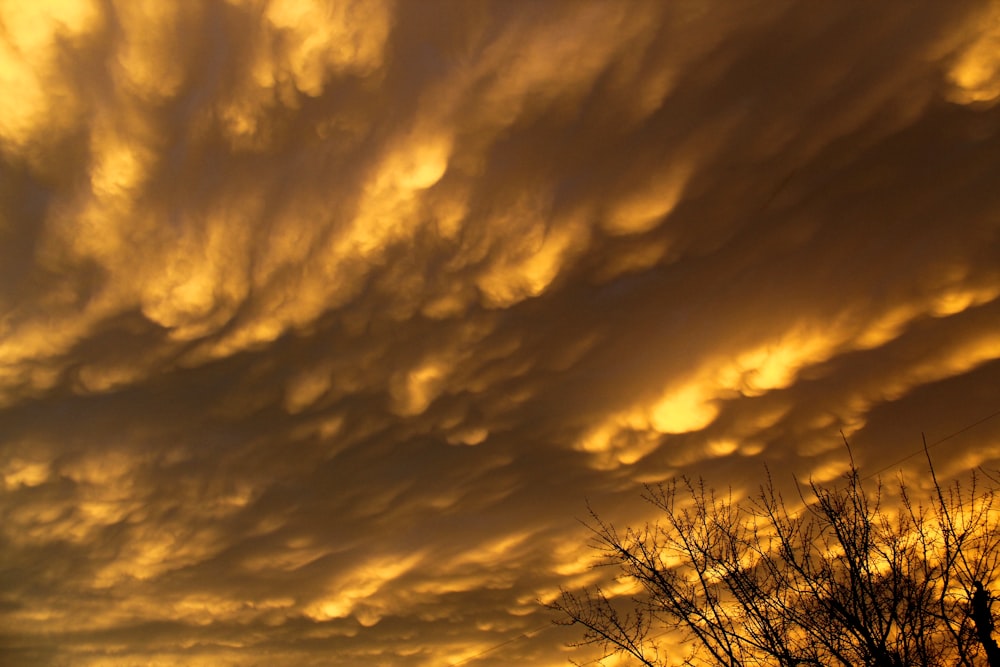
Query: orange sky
(321, 321)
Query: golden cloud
(319, 320)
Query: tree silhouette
(840, 577)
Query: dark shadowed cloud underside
(321, 321)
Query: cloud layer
(319, 321)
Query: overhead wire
(523, 635)
(937, 442)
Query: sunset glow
(322, 321)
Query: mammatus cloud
(319, 321)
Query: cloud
(321, 322)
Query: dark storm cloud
(320, 321)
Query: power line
(937, 442)
(523, 635)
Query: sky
(322, 322)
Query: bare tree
(839, 577)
